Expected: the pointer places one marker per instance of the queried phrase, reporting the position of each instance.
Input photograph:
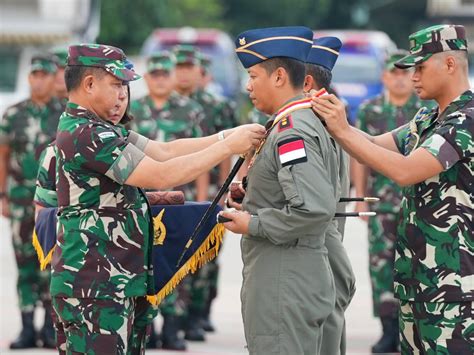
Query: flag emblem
(292, 151)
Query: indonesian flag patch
(292, 151)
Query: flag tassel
(205, 253)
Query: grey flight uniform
(321, 59)
(288, 290)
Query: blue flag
(173, 226)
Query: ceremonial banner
(173, 225)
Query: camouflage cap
(162, 60)
(431, 40)
(394, 57)
(44, 62)
(204, 60)
(112, 59)
(61, 56)
(186, 54)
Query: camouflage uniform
(434, 272)
(45, 192)
(180, 117)
(219, 114)
(27, 128)
(377, 116)
(433, 261)
(98, 289)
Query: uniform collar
(457, 104)
(76, 110)
(294, 100)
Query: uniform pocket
(288, 185)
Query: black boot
(47, 333)
(27, 337)
(390, 340)
(206, 323)
(194, 331)
(169, 334)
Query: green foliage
(127, 24)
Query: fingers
(228, 214)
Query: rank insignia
(242, 41)
(285, 123)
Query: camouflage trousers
(172, 305)
(436, 328)
(32, 283)
(102, 326)
(382, 239)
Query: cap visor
(123, 74)
(411, 60)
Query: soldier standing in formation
(98, 290)
(320, 62)
(164, 115)
(393, 108)
(26, 129)
(292, 187)
(432, 156)
(218, 116)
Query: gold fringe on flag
(203, 255)
(43, 261)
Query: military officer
(321, 60)
(98, 289)
(165, 115)
(432, 158)
(394, 107)
(25, 130)
(217, 117)
(292, 187)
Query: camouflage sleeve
(5, 128)
(400, 135)
(104, 152)
(45, 193)
(138, 140)
(452, 141)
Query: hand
(332, 111)
(4, 207)
(240, 221)
(362, 206)
(245, 137)
(230, 203)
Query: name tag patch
(105, 135)
(292, 151)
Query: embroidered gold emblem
(159, 229)
(242, 41)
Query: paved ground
(362, 329)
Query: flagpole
(211, 208)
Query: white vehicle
(28, 27)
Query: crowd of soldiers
(420, 244)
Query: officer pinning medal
(120, 197)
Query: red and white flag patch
(292, 151)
